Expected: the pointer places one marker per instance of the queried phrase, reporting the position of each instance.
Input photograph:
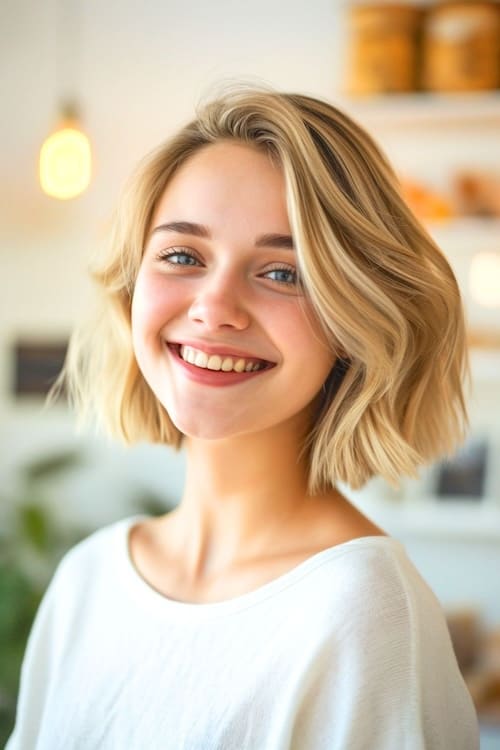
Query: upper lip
(221, 349)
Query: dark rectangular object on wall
(37, 365)
(464, 475)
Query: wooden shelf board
(480, 109)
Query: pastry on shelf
(426, 203)
(483, 338)
(477, 193)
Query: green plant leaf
(35, 526)
(48, 466)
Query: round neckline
(202, 610)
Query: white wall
(139, 70)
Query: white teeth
(201, 359)
(239, 365)
(216, 362)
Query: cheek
(147, 313)
(305, 335)
(154, 303)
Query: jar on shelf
(461, 46)
(383, 48)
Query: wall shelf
(475, 109)
(430, 518)
(461, 227)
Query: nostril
(218, 314)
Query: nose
(219, 303)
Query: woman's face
(221, 329)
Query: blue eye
(283, 275)
(182, 259)
(179, 258)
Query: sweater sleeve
(36, 671)
(444, 715)
(386, 678)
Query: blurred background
(118, 78)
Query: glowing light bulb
(65, 163)
(484, 279)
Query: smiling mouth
(219, 362)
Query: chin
(204, 429)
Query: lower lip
(217, 378)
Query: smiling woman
(270, 303)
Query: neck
(241, 494)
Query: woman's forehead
(226, 182)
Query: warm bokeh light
(65, 163)
(484, 279)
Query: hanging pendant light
(65, 165)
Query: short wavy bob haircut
(381, 288)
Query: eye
(179, 257)
(282, 275)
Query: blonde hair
(382, 290)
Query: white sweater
(347, 651)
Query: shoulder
(371, 568)
(385, 648)
(90, 563)
(374, 606)
(98, 542)
(85, 579)
(367, 591)
(386, 581)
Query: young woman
(270, 303)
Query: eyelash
(286, 269)
(167, 255)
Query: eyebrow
(199, 230)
